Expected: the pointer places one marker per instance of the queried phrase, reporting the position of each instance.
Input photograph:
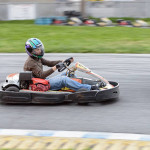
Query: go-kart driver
(35, 49)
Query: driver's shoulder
(31, 62)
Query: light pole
(83, 8)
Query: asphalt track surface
(129, 114)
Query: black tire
(12, 89)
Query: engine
(34, 84)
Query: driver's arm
(50, 63)
(39, 73)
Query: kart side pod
(96, 95)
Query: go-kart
(22, 88)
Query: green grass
(64, 39)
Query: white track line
(75, 134)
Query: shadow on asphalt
(109, 102)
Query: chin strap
(37, 56)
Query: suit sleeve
(49, 63)
(39, 73)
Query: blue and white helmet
(32, 44)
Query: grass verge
(67, 39)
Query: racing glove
(60, 66)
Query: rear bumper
(31, 97)
(15, 97)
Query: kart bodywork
(22, 88)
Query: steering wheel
(63, 65)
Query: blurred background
(31, 9)
(48, 20)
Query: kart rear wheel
(12, 88)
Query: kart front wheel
(12, 89)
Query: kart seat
(27, 76)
